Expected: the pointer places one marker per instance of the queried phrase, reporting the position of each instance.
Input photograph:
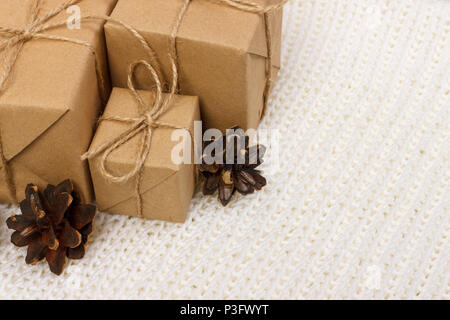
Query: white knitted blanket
(360, 206)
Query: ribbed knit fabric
(359, 207)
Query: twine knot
(142, 125)
(27, 35)
(150, 121)
(15, 38)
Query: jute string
(15, 40)
(12, 47)
(10, 50)
(246, 6)
(148, 121)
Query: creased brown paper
(222, 54)
(166, 187)
(49, 108)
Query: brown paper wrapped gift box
(222, 54)
(49, 108)
(166, 188)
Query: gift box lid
(205, 21)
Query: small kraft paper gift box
(51, 82)
(131, 159)
(223, 51)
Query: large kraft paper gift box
(49, 107)
(166, 188)
(222, 54)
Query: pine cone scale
(20, 223)
(49, 238)
(56, 260)
(76, 253)
(56, 203)
(69, 237)
(21, 240)
(82, 216)
(226, 188)
(242, 186)
(35, 252)
(211, 184)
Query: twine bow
(145, 124)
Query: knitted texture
(359, 206)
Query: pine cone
(238, 173)
(54, 225)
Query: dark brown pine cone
(54, 225)
(229, 176)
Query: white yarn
(359, 207)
